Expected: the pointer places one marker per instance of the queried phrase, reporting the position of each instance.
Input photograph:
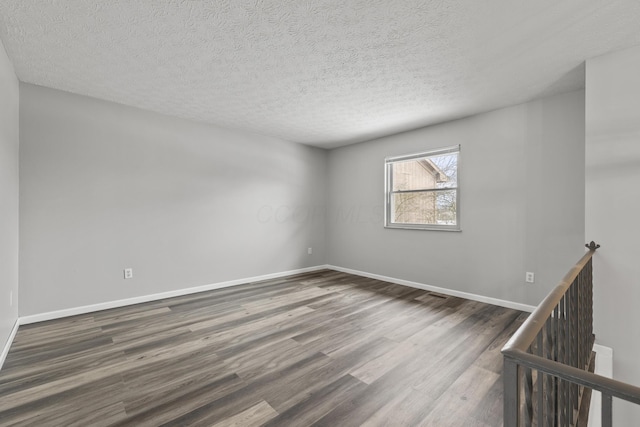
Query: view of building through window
(422, 190)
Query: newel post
(511, 392)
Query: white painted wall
(9, 100)
(522, 203)
(603, 366)
(104, 187)
(613, 209)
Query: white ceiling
(320, 72)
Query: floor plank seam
(318, 348)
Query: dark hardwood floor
(322, 349)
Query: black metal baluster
(539, 414)
(549, 397)
(511, 392)
(528, 396)
(607, 410)
(563, 400)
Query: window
(422, 190)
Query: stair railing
(548, 362)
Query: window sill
(422, 228)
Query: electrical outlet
(309, 251)
(128, 273)
(529, 277)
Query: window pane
(414, 208)
(448, 166)
(446, 207)
(432, 207)
(425, 173)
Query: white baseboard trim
(604, 367)
(34, 318)
(7, 345)
(460, 294)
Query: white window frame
(389, 161)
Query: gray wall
(522, 203)
(104, 187)
(8, 197)
(613, 209)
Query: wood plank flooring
(322, 349)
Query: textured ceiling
(319, 72)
